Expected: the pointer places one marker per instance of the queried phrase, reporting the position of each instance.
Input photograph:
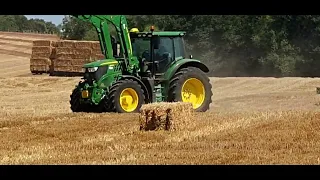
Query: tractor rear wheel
(125, 96)
(191, 85)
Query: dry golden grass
(252, 121)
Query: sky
(55, 19)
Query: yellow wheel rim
(193, 91)
(129, 99)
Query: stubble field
(251, 121)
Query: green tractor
(140, 67)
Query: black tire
(76, 106)
(175, 86)
(112, 101)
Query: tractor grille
(100, 72)
(95, 76)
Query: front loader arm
(100, 22)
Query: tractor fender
(184, 63)
(143, 85)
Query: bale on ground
(62, 62)
(73, 69)
(79, 51)
(42, 43)
(78, 69)
(41, 49)
(63, 68)
(40, 61)
(37, 55)
(39, 68)
(166, 116)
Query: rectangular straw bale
(42, 43)
(54, 44)
(96, 51)
(78, 69)
(42, 49)
(63, 68)
(39, 68)
(72, 56)
(62, 62)
(97, 56)
(40, 61)
(65, 43)
(65, 50)
(95, 45)
(53, 53)
(165, 116)
(83, 44)
(181, 116)
(37, 55)
(79, 62)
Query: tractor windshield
(141, 47)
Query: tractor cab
(162, 48)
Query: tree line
(20, 23)
(231, 45)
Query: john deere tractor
(148, 67)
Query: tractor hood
(100, 63)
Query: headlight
(93, 69)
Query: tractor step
(158, 93)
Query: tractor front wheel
(193, 86)
(76, 106)
(125, 96)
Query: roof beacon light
(152, 28)
(134, 30)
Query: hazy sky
(55, 19)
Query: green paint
(163, 33)
(101, 63)
(176, 65)
(97, 95)
(101, 87)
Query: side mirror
(156, 42)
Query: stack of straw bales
(70, 56)
(63, 56)
(40, 61)
(166, 116)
